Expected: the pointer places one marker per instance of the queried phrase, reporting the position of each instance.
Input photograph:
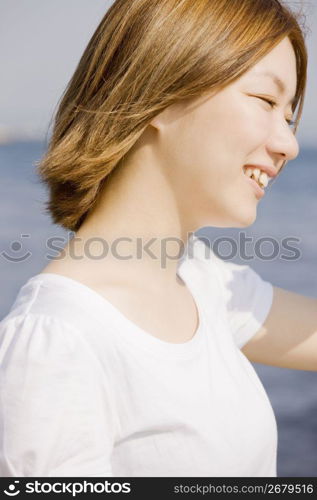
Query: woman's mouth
(255, 173)
(257, 179)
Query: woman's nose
(283, 142)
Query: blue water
(289, 209)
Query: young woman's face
(205, 145)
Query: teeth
(260, 177)
(263, 179)
(248, 171)
(256, 173)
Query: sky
(41, 43)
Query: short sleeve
(56, 411)
(248, 299)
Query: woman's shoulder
(49, 323)
(52, 302)
(36, 336)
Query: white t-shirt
(86, 392)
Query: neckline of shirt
(130, 331)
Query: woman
(129, 354)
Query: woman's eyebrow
(278, 82)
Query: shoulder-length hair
(144, 56)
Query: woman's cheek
(255, 129)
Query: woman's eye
(291, 123)
(269, 101)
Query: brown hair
(144, 56)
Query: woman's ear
(163, 118)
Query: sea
(281, 245)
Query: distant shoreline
(43, 143)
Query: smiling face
(205, 144)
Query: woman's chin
(241, 218)
(232, 213)
(247, 219)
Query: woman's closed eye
(273, 104)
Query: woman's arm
(288, 337)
